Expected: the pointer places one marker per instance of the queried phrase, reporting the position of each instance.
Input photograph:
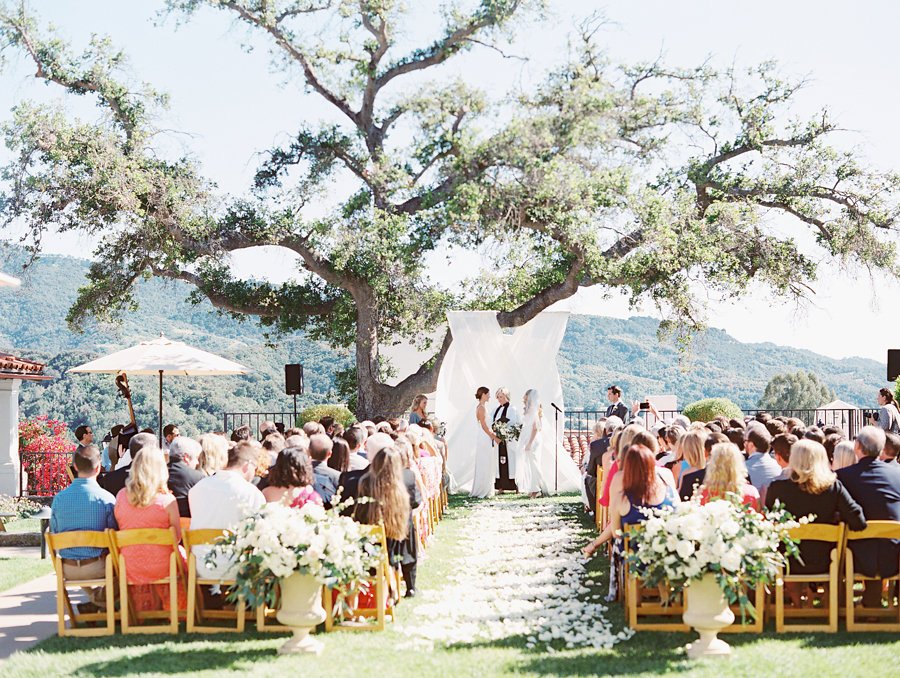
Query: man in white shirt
(356, 438)
(221, 501)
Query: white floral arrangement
(506, 431)
(279, 540)
(741, 547)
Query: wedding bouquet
(505, 430)
(279, 540)
(741, 547)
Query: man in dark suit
(183, 475)
(603, 430)
(115, 480)
(875, 485)
(326, 480)
(616, 407)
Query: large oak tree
(663, 182)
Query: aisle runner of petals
(521, 574)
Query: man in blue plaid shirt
(84, 505)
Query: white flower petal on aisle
(521, 574)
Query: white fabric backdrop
(483, 355)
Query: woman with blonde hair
(213, 453)
(419, 409)
(726, 474)
(145, 502)
(693, 454)
(393, 495)
(844, 455)
(813, 488)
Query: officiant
(506, 452)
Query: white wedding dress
(485, 461)
(529, 478)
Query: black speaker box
(293, 379)
(893, 364)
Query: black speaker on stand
(293, 383)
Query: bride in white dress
(529, 478)
(485, 454)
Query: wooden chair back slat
(146, 536)
(193, 538)
(77, 539)
(877, 529)
(819, 532)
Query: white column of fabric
(9, 436)
(472, 361)
(535, 346)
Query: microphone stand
(556, 447)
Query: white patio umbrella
(9, 281)
(162, 357)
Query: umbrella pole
(160, 410)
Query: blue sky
(228, 105)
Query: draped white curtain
(483, 355)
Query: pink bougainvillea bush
(45, 450)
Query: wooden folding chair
(600, 511)
(833, 534)
(66, 540)
(381, 580)
(876, 529)
(154, 537)
(196, 613)
(740, 626)
(648, 609)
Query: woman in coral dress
(145, 502)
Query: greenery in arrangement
(800, 390)
(279, 540)
(21, 507)
(740, 546)
(341, 414)
(645, 178)
(710, 408)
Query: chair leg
(62, 600)
(173, 594)
(124, 610)
(193, 612)
(851, 621)
(779, 602)
(110, 598)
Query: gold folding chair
(739, 626)
(600, 511)
(833, 534)
(649, 609)
(876, 529)
(92, 539)
(196, 613)
(154, 537)
(384, 606)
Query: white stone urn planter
(707, 611)
(301, 610)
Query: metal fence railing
(233, 420)
(43, 474)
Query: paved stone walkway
(27, 614)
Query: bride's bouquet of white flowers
(506, 430)
(279, 540)
(741, 547)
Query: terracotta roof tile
(13, 365)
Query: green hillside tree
(659, 181)
(800, 390)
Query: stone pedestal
(9, 436)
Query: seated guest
(891, 447)
(241, 434)
(340, 456)
(781, 450)
(84, 505)
(326, 480)
(393, 494)
(114, 481)
(690, 482)
(266, 428)
(641, 485)
(875, 485)
(145, 502)
(762, 468)
(170, 433)
(726, 474)
(328, 424)
(297, 440)
(221, 501)
(183, 475)
(290, 480)
(624, 442)
(693, 450)
(355, 438)
(814, 433)
(593, 464)
(775, 427)
(814, 488)
(844, 455)
(293, 431)
(273, 444)
(213, 453)
(310, 428)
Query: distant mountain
(595, 352)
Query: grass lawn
(15, 571)
(24, 525)
(391, 653)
